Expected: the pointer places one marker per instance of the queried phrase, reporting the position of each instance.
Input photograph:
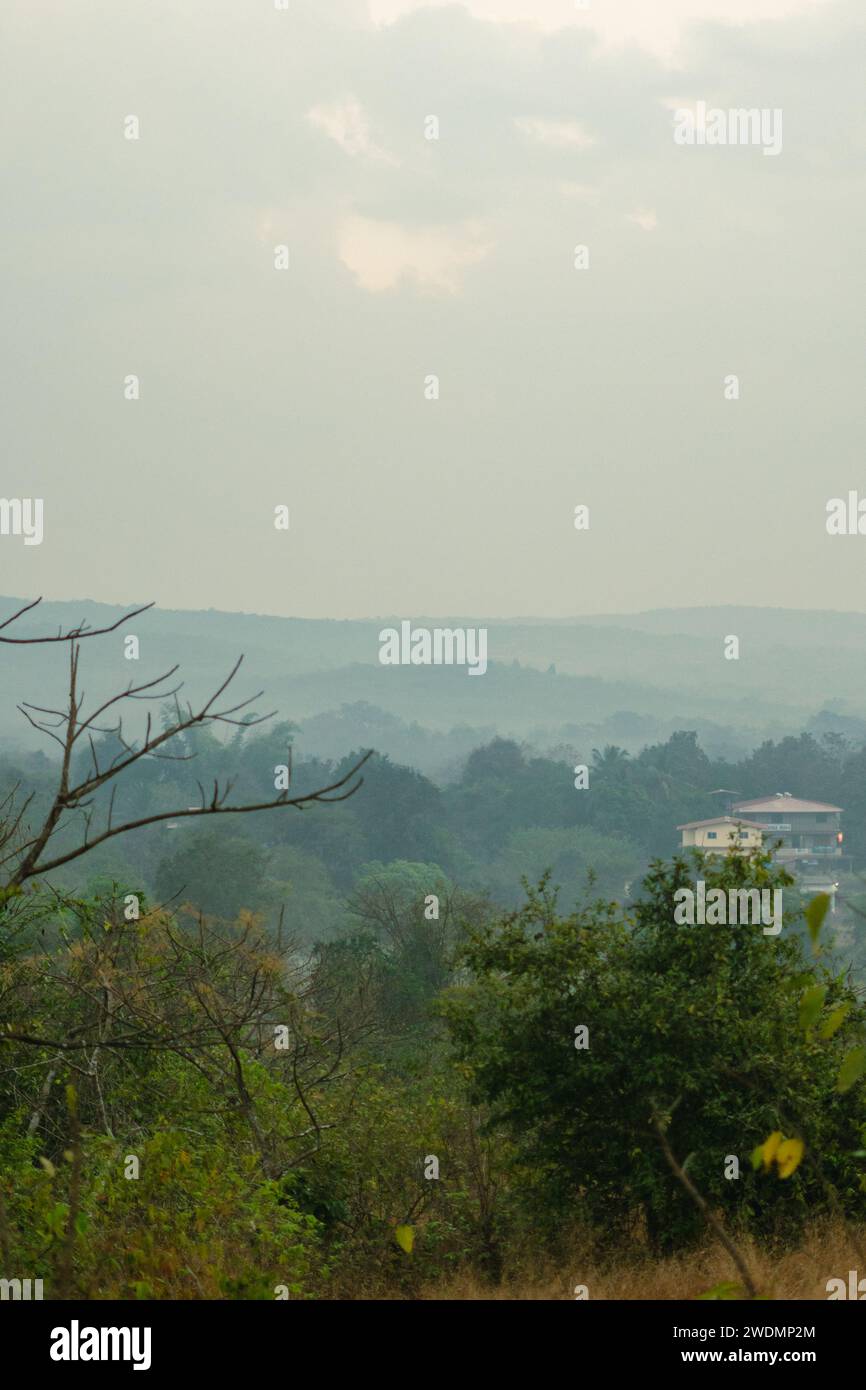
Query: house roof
(784, 804)
(721, 820)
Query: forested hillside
(630, 680)
(317, 1028)
(509, 813)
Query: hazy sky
(410, 257)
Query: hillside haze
(663, 669)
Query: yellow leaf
(811, 1005)
(769, 1148)
(788, 1156)
(815, 914)
(405, 1238)
(48, 1166)
(835, 1021)
(852, 1068)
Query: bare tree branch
(703, 1207)
(74, 634)
(67, 726)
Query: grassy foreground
(828, 1251)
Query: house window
(711, 835)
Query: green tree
(698, 1026)
(217, 872)
(411, 918)
(580, 859)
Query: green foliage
(218, 872)
(701, 1024)
(724, 1292)
(582, 862)
(852, 1068)
(815, 914)
(199, 1221)
(307, 1168)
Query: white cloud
(560, 134)
(583, 192)
(645, 218)
(656, 25)
(381, 254)
(346, 122)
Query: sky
(412, 258)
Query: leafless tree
(26, 854)
(73, 635)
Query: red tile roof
(721, 820)
(783, 805)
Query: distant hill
(627, 678)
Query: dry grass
(827, 1252)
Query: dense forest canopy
(330, 1027)
(510, 813)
